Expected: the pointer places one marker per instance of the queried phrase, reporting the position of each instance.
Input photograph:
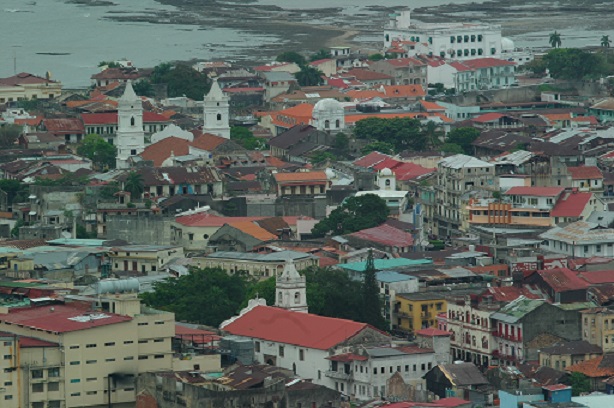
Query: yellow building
(598, 327)
(561, 356)
(72, 354)
(24, 86)
(415, 311)
(147, 259)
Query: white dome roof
(386, 172)
(507, 44)
(327, 105)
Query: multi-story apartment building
(598, 327)
(484, 73)
(146, 259)
(456, 176)
(415, 311)
(469, 322)
(84, 352)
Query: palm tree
(555, 40)
(134, 184)
(432, 135)
(605, 44)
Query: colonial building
(291, 289)
(130, 134)
(24, 86)
(302, 183)
(145, 259)
(216, 112)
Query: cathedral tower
(216, 112)
(130, 139)
(291, 289)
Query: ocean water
(69, 40)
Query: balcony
(339, 375)
(426, 315)
(401, 313)
(507, 337)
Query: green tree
(109, 64)
(371, 300)
(580, 383)
(143, 87)
(98, 150)
(605, 44)
(204, 296)
(574, 64)
(292, 56)
(134, 184)
(463, 137)
(376, 57)
(320, 55)
(181, 80)
(246, 138)
(451, 148)
(9, 135)
(355, 214)
(309, 76)
(402, 133)
(321, 157)
(13, 189)
(341, 142)
(381, 147)
(264, 289)
(332, 293)
(15, 230)
(432, 134)
(555, 39)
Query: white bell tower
(216, 112)
(130, 140)
(291, 289)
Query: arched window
(337, 123)
(297, 298)
(132, 121)
(219, 116)
(327, 124)
(388, 183)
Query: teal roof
(77, 241)
(383, 264)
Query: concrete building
(146, 259)
(24, 86)
(459, 41)
(415, 311)
(258, 265)
(85, 352)
(457, 175)
(598, 327)
(563, 355)
(582, 239)
(347, 356)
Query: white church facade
(130, 140)
(216, 112)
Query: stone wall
(142, 229)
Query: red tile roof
(385, 235)
(300, 176)
(210, 220)
(387, 163)
(23, 78)
(488, 117)
(410, 171)
(593, 368)
(367, 75)
(61, 318)
(509, 293)
(585, 173)
(535, 191)
(556, 387)
(460, 66)
(562, 279)
(64, 125)
(432, 332)
(432, 106)
(371, 159)
(301, 329)
(208, 142)
(571, 204)
(345, 358)
(487, 63)
(160, 151)
(28, 342)
(598, 277)
(404, 90)
(250, 228)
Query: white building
(348, 356)
(386, 180)
(454, 40)
(291, 289)
(130, 135)
(328, 115)
(216, 111)
(582, 239)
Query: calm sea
(69, 40)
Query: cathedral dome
(386, 172)
(327, 106)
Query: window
(8, 356)
(91, 392)
(158, 356)
(128, 342)
(54, 404)
(406, 368)
(75, 362)
(112, 343)
(158, 340)
(414, 368)
(53, 372)
(109, 360)
(257, 347)
(75, 380)
(8, 383)
(91, 361)
(53, 386)
(301, 355)
(8, 397)
(281, 351)
(219, 116)
(129, 358)
(38, 387)
(159, 322)
(7, 343)
(90, 379)
(37, 373)
(75, 394)
(423, 366)
(143, 357)
(38, 405)
(90, 345)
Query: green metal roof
(13, 284)
(576, 305)
(517, 309)
(383, 264)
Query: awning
(32, 213)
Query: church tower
(291, 289)
(216, 112)
(130, 139)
